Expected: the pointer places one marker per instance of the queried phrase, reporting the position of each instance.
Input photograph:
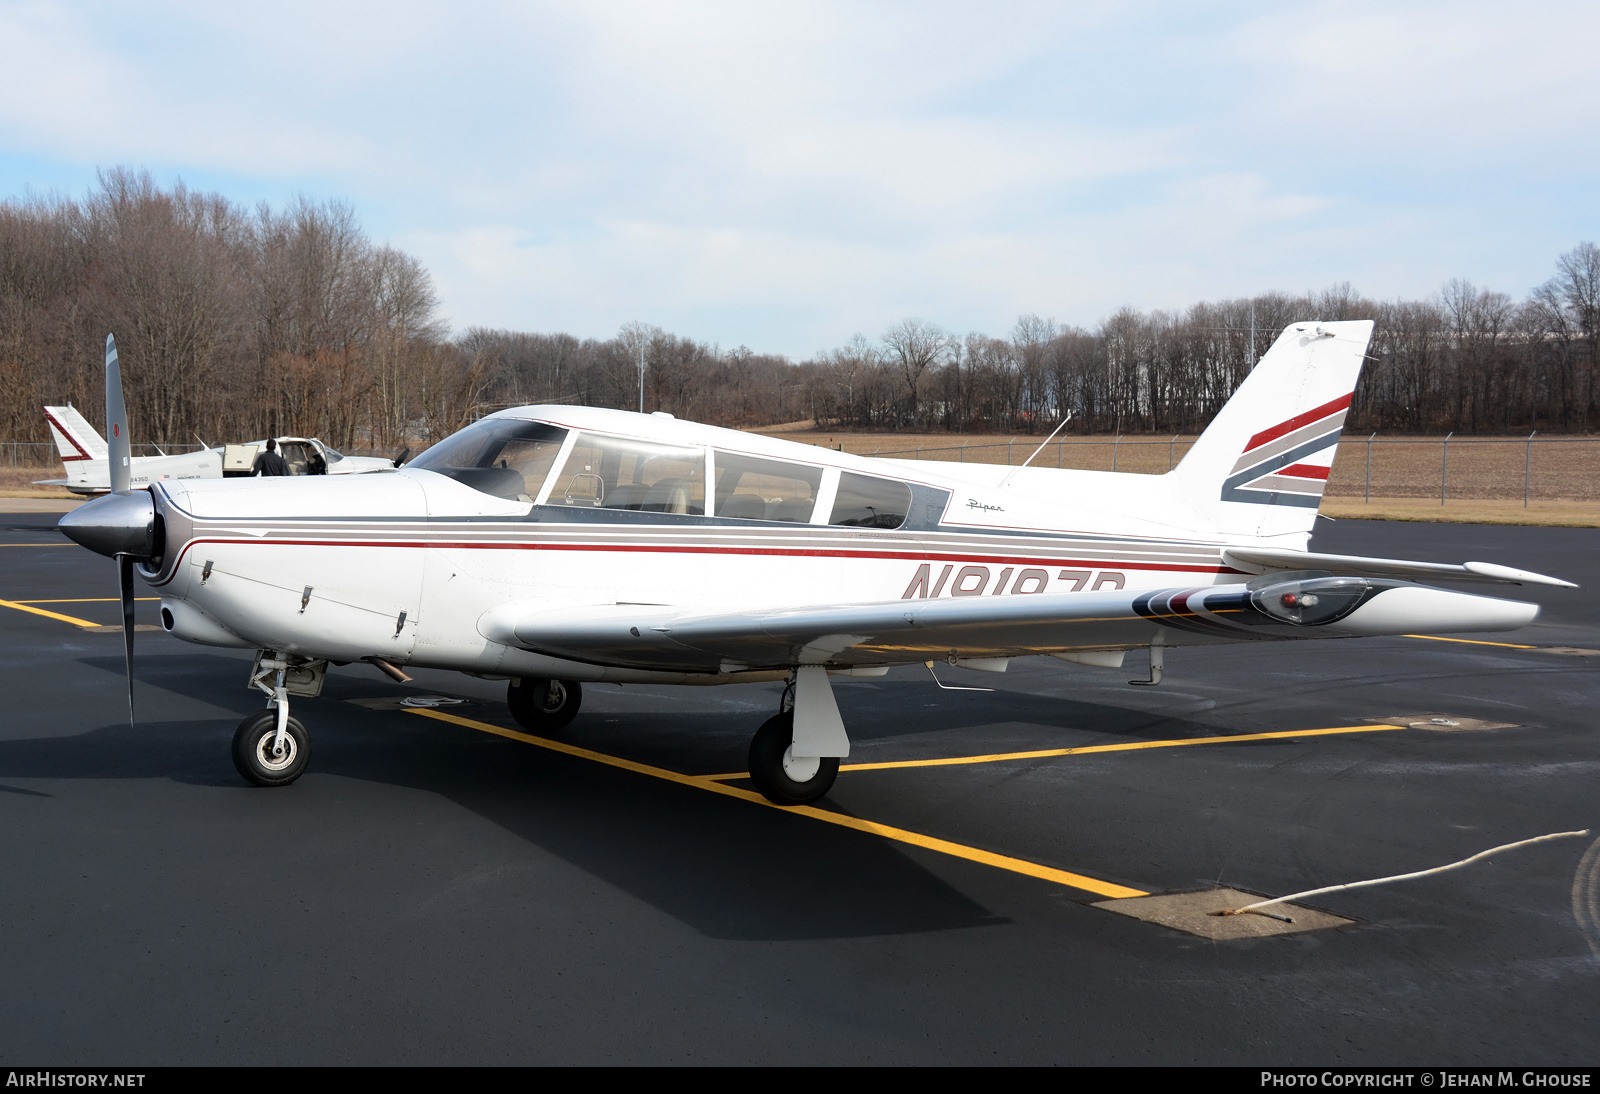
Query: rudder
(75, 438)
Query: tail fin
(1260, 468)
(75, 438)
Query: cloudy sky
(785, 175)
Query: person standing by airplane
(269, 462)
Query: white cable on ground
(1397, 877)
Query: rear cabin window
(757, 489)
(506, 457)
(867, 502)
(617, 473)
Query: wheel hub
(275, 759)
(555, 696)
(801, 769)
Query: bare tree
(915, 346)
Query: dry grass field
(17, 482)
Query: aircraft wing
(1261, 560)
(687, 639)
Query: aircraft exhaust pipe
(391, 671)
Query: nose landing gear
(265, 760)
(272, 747)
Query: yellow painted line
(74, 620)
(1470, 641)
(901, 835)
(86, 600)
(1045, 753)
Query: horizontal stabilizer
(1261, 560)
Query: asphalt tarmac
(431, 892)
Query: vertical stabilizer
(1261, 466)
(75, 438)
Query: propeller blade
(125, 584)
(117, 423)
(404, 452)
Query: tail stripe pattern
(64, 438)
(1269, 471)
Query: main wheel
(781, 777)
(544, 706)
(253, 754)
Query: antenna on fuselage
(1040, 449)
(1252, 333)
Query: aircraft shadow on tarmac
(727, 869)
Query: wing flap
(1263, 560)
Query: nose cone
(117, 524)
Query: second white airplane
(85, 455)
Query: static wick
(1255, 908)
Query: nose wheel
(782, 777)
(264, 758)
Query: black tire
(252, 749)
(767, 748)
(544, 706)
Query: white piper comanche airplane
(555, 545)
(85, 457)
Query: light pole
(641, 376)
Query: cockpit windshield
(506, 457)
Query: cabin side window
(867, 502)
(757, 489)
(619, 473)
(506, 457)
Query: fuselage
(611, 507)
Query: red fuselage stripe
(912, 556)
(1341, 403)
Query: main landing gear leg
(794, 756)
(272, 747)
